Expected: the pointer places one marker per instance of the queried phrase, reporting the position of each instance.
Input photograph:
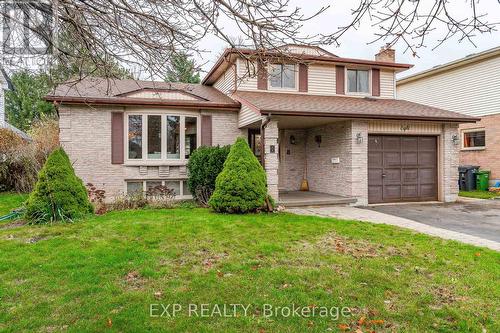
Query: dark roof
(110, 91)
(346, 107)
(225, 58)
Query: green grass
(479, 194)
(103, 273)
(9, 201)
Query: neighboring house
(333, 120)
(6, 84)
(470, 86)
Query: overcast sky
(355, 43)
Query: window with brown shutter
(206, 130)
(339, 80)
(117, 137)
(376, 82)
(303, 78)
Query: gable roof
(346, 107)
(471, 58)
(230, 55)
(107, 92)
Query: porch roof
(346, 107)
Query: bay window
(166, 137)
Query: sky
(355, 43)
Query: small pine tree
(59, 195)
(241, 186)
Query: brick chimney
(386, 54)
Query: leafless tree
(145, 34)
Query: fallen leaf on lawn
(377, 322)
(158, 294)
(310, 324)
(220, 274)
(359, 330)
(477, 254)
(109, 323)
(361, 320)
(343, 327)
(261, 330)
(286, 285)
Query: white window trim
(180, 196)
(296, 73)
(346, 82)
(163, 160)
(471, 130)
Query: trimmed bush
(204, 165)
(59, 195)
(241, 186)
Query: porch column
(449, 157)
(271, 161)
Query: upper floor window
(169, 137)
(357, 81)
(282, 76)
(474, 139)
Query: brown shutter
(339, 79)
(206, 130)
(303, 79)
(117, 138)
(261, 76)
(376, 82)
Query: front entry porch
(310, 198)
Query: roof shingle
(347, 107)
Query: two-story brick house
(470, 86)
(331, 120)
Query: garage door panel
(392, 176)
(374, 143)
(427, 176)
(392, 192)
(392, 159)
(427, 143)
(410, 176)
(428, 191)
(391, 143)
(402, 168)
(409, 143)
(375, 159)
(409, 191)
(375, 176)
(426, 158)
(375, 194)
(409, 158)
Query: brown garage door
(402, 168)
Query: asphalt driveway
(480, 218)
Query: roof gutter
(350, 115)
(142, 102)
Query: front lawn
(103, 274)
(479, 194)
(9, 201)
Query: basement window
(474, 139)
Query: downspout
(262, 140)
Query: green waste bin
(482, 180)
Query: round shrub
(204, 165)
(241, 186)
(59, 195)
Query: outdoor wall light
(317, 139)
(454, 139)
(359, 138)
(292, 140)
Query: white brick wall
(292, 159)
(449, 163)
(271, 158)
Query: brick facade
(487, 158)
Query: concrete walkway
(353, 213)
